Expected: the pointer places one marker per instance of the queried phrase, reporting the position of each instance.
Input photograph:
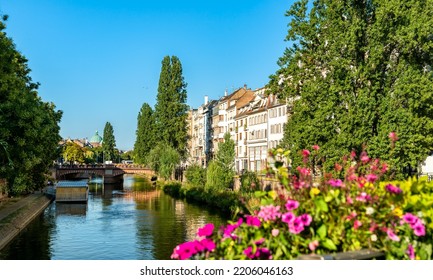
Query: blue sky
(100, 60)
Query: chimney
(245, 86)
(225, 92)
(206, 100)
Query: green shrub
(249, 181)
(196, 175)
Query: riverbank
(17, 213)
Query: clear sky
(100, 60)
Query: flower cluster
(321, 212)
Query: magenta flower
(392, 235)
(303, 171)
(206, 231)
(208, 244)
(357, 224)
(296, 226)
(288, 217)
(306, 219)
(184, 251)
(228, 231)
(249, 252)
(313, 245)
(305, 153)
(371, 178)
(410, 219)
(393, 189)
(419, 229)
(292, 205)
(335, 182)
(269, 212)
(316, 147)
(410, 252)
(253, 221)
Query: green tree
(73, 153)
(220, 171)
(109, 143)
(358, 70)
(171, 108)
(163, 159)
(145, 134)
(29, 129)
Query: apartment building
(254, 120)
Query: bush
(196, 175)
(345, 210)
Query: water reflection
(129, 221)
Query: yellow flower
(314, 191)
(369, 185)
(398, 212)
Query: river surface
(125, 222)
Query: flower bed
(344, 210)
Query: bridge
(111, 173)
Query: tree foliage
(163, 159)
(220, 171)
(145, 134)
(29, 127)
(358, 70)
(109, 142)
(171, 108)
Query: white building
(277, 118)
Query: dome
(96, 138)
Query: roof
(72, 184)
(96, 138)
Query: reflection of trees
(31, 246)
(166, 222)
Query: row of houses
(254, 120)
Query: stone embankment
(17, 215)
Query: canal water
(125, 222)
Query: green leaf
(328, 244)
(321, 232)
(321, 205)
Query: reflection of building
(96, 140)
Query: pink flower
(228, 230)
(313, 245)
(253, 221)
(292, 204)
(364, 157)
(393, 136)
(349, 200)
(392, 235)
(335, 182)
(357, 224)
(303, 171)
(275, 232)
(316, 147)
(410, 219)
(296, 226)
(351, 216)
(288, 217)
(305, 153)
(269, 212)
(249, 252)
(206, 231)
(419, 229)
(393, 189)
(306, 219)
(363, 197)
(208, 244)
(184, 251)
(352, 154)
(411, 252)
(371, 178)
